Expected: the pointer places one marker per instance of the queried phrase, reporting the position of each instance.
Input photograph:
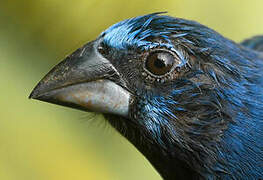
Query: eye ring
(160, 62)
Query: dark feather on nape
(255, 43)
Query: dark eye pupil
(160, 63)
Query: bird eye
(160, 62)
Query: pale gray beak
(87, 81)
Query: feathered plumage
(195, 97)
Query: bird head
(162, 82)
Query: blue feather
(208, 114)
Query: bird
(189, 99)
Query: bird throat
(166, 163)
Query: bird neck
(168, 166)
(166, 163)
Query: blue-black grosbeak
(189, 99)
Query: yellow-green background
(40, 141)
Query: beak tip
(32, 95)
(35, 92)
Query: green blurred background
(40, 141)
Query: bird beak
(81, 81)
